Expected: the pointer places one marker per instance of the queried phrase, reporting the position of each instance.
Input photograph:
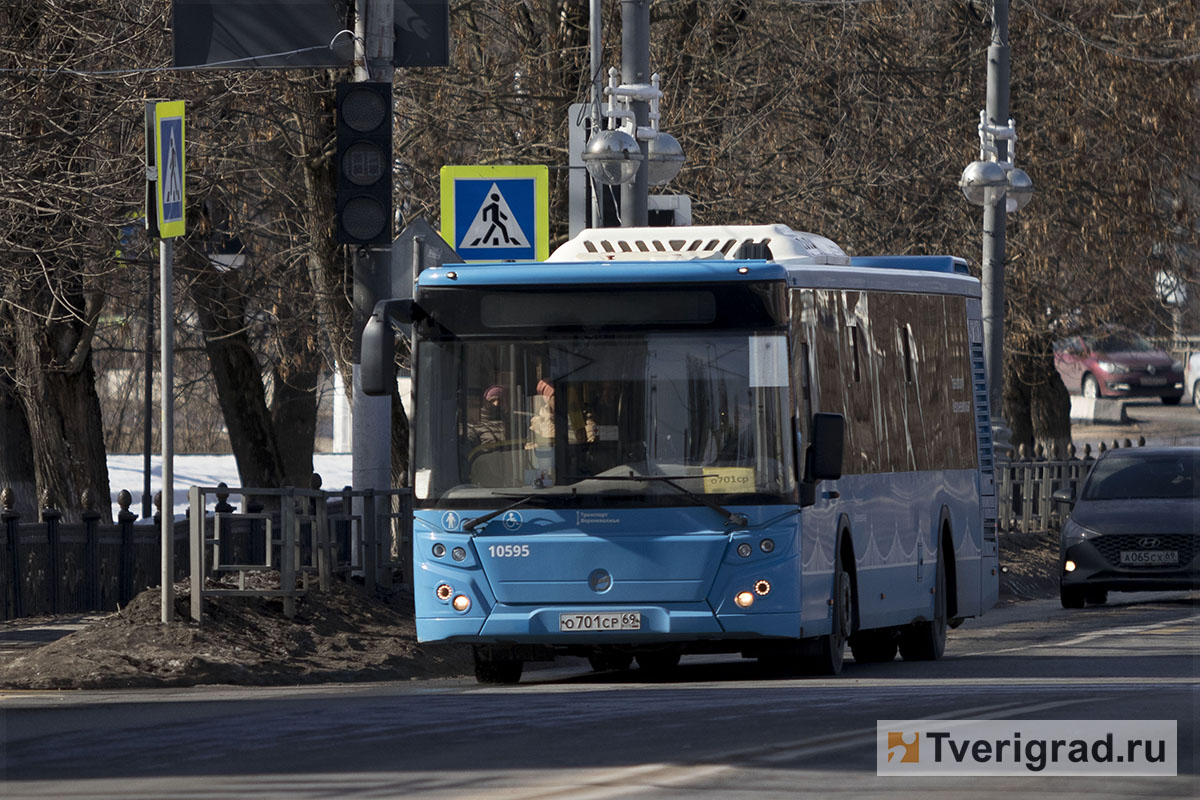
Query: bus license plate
(620, 621)
(1150, 557)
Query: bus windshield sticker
(768, 361)
(727, 480)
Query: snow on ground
(125, 472)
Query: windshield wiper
(472, 524)
(732, 517)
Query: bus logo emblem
(600, 581)
(450, 521)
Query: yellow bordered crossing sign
(497, 213)
(169, 192)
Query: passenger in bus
(542, 423)
(492, 425)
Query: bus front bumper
(658, 623)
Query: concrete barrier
(1099, 410)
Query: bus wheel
(610, 661)
(831, 650)
(874, 647)
(926, 641)
(658, 664)
(498, 670)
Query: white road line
(1087, 637)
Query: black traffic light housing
(364, 163)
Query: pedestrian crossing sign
(169, 168)
(497, 213)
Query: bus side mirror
(378, 359)
(824, 455)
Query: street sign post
(497, 213)
(165, 214)
(169, 168)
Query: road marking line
(1087, 637)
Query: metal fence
(48, 566)
(51, 567)
(310, 535)
(1025, 486)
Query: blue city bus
(665, 441)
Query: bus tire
(830, 651)
(926, 640)
(497, 670)
(874, 647)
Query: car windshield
(594, 416)
(1120, 342)
(1143, 478)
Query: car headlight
(1110, 366)
(1073, 532)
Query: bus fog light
(439, 550)
(461, 603)
(458, 554)
(1069, 566)
(762, 588)
(767, 545)
(444, 591)
(744, 599)
(744, 550)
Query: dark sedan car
(1134, 526)
(1118, 363)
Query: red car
(1118, 363)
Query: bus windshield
(573, 416)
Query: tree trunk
(16, 452)
(67, 435)
(1037, 406)
(238, 377)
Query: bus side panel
(893, 522)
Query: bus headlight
(744, 599)
(461, 602)
(762, 587)
(443, 592)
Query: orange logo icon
(908, 746)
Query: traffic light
(364, 163)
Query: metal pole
(166, 256)
(595, 195)
(635, 68)
(371, 439)
(148, 401)
(995, 216)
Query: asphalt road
(1159, 424)
(722, 729)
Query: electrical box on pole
(364, 163)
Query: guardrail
(1025, 485)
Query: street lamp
(982, 184)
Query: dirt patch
(340, 635)
(1028, 566)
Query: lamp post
(626, 148)
(995, 183)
